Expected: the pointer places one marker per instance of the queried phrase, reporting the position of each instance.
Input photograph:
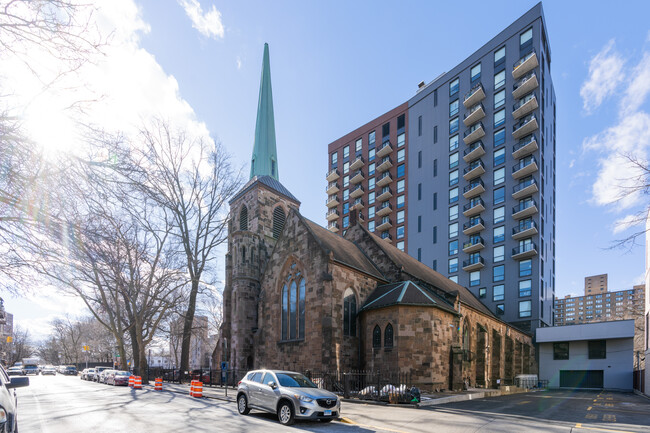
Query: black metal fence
(209, 377)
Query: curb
(228, 399)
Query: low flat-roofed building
(591, 355)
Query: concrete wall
(617, 367)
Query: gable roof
(404, 293)
(341, 249)
(422, 272)
(270, 183)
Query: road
(64, 404)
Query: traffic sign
(10, 339)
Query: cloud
(572, 163)
(209, 23)
(605, 74)
(238, 62)
(639, 88)
(628, 221)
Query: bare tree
(21, 347)
(69, 336)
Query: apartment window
(400, 201)
(435, 134)
(346, 152)
(498, 254)
(499, 156)
(525, 288)
(453, 212)
(499, 79)
(419, 126)
(346, 208)
(401, 170)
(482, 292)
(371, 212)
(371, 198)
(371, 226)
(371, 155)
(453, 230)
(499, 234)
(371, 183)
(453, 178)
(401, 122)
(526, 36)
(435, 265)
(400, 185)
(346, 194)
(420, 159)
(401, 154)
(501, 309)
(435, 234)
(498, 292)
(358, 145)
(453, 195)
(419, 254)
(346, 221)
(400, 245)
(498, 273)
(525, 308)
(560, 351)
(475, 72)
(474, 278)
(400, 217)
(346, 167)
(346, 181)
(453, 265)
(499, 176)
(435, 201)
(453, 160)
(453, 247)
(371, 169)
(419, 191)
(401, 140)
(597, 349)
(499, 118)
(499, 98)
(435, 167)
(453, 108)
(499, 137)
(385, 131)
(500, 55)
(499, 214)
(453, 143)
(499, 195)
(400, 232)
(453, 125)
(371, 139)
(419, 223)
(453, 87)
(335, 158)
(526, 268)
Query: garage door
(581, 378)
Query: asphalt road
(64, 404)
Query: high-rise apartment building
(596, 284)
(467, 178)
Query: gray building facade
(481, 177)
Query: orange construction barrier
(131, 380)
(137, 382)
(158, 385)
(192, 387)
(198, 389)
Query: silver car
(288, 394)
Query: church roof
(422, 272)
(342, 250)
(269, 182)
(404, 293)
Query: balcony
(333, 226)
(524, 127)
(332, 201)
(525, 146)
(474, 225)
(475, 114)
(357, 163)
(525, 209)
(387, 237)
(524, 65)
(476, 150)
(473, 264)
(525, 105)
(357, 192)
(474, 207)
(356, 177)
(525, 85)
(474, 133)
(385, 224)
(525, 229)
(357, 204)
(525, 167)
(474, 189)
(474, 96)
(524, 251)
(332, 188)
(524, 189)
(386, 193)
(332, 215)
(385, 164)
(384, 209)
(473, 170)
(384, 150)
(384, 179)
(332, 175)
(476, 243)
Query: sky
(336, 65)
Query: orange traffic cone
(131, 380)
(137, 382)
(198, 389)
(158, 385)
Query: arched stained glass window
(243, 218)
(293, 305)
(388, 336)
(349, 313)
(376, 337)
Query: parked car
(288, 394)
(70, 370)
(8, 400)
(104, 375)
(30, 369)
(90, 374)
(48, 369)
(98, 372)
(15, 371)
(118, 377)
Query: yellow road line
(374, 427)
(579, 425)
(589, 408)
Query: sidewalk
(208, 392)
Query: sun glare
(51, 127)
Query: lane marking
(589, 408)
(602, 429)
(609, 417)
(374, 427)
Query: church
(300, 297)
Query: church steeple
(265, 159)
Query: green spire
(265, 158)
